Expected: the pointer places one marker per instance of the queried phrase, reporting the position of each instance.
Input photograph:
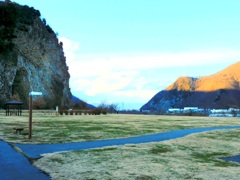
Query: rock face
(219, 91)
(31, 58)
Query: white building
(191, 108)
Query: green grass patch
(161, 148)
(214, 158)
(104, 149)
(57, 160)
(207, 157)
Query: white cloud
(124, 96)
(137, 95)
(123, 75)
(95, 65)
(107, 82)
(70, 48)
(69, 45)
(159, 60)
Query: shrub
(96, 111)
(39, 103)
(104, 111)
(61, 112)
(66, 112)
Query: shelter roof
(14, 102)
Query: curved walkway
(35, 150)
(14, 165)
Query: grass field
(196, 156)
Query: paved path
(232, 158)
(35, 150)
(14, 165)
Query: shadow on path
(35, 150)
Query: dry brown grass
(73, 128)
(192, 157)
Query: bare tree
(103, 105)
(113, 108)
(39, 103)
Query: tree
(113, 108)
(15, 97)
(39, 103)
(103, 105)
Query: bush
(71, 112)
(96, 111)
(66, 112)
(61, 112)
(104, 111)
(39, 103)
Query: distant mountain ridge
(220, 90)
(78, 103)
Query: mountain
(219, 91)
(78, 103)
(31, 58)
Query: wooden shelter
(17, 107)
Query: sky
(126, 51)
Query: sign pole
(30, 117)
(30, 111)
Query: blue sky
(125, 51)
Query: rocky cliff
(220, 90)
(31, 58)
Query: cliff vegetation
(31, 58)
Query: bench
(18, 130)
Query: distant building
(146, 111)
(231, 112)
(174, 110)
(191, 108)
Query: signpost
(30, 111)
(56, 110)
(35, 93)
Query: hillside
(80, 104)
(220, 90)
(31, 58)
